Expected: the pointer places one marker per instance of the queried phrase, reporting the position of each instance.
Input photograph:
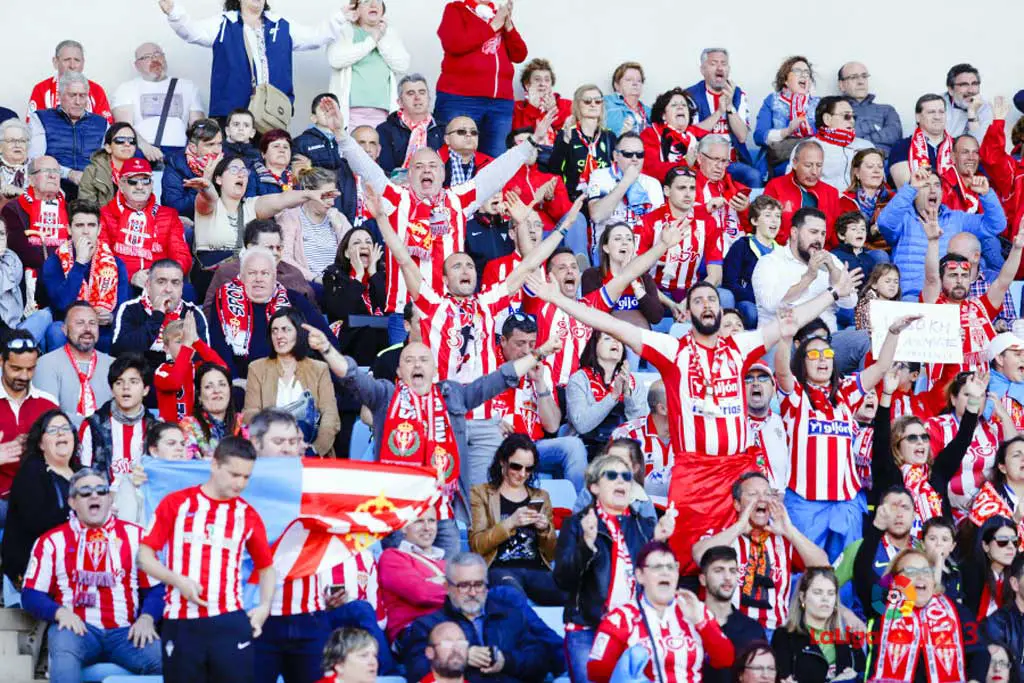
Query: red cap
(136, 166)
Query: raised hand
(542, 288)
(316, 339)
(191, 331)
(674, 232)
(588, 527)
(1000, 108)
(849, 281)
(552, 345)
(376, 254)
(667, 524)
(977, 384)
(166, 5)
(693, 608)
(540, 133)
(890, 381)
(903, 323)
(920, 177)
(931, 223)
(979, 185)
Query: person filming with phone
(512, 523)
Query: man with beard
(719, 572)
(766, 427)
(884, 538)
(76, 372)
(802, 271)
(448, 654)
(703, 374)
(770, 549)
(803, 188)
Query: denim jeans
(577, 652)
(493, 118)
(536, 584)
(70, 653)
(37, 324)
(725, 298)
(576, 237)
(851, 347)
(396, 329)
(564, 457)
(292, 647)
(482, 439)
(748, 311)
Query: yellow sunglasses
(815, 354)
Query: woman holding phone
(512, 524)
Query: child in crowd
(738, 266)
(175, 379)
(239, 131)
(883, 284)
(852, 231)
(732, 322)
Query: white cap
(1003, 342)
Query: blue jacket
(246, 151)
(774, 114)
(173, 193)
(738, 268)
(879, 123)
(59, 291)
(322, 151)
(699, 92)
(616, 110)
(231, 74)
(394, 141)
(6, 113)
(900, 226)
(71, 143)
(531, 649)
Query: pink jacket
(405, 590)
(291, 236)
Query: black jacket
(102, 439)
(741, 631)
(136, 330)
(322, 152)
(343, 297)
(487, 239)
(38, 503)
(586, 574)
(1006, 625)
(797, 656)
(394, 141)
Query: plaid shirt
(461, 173)
(1008, 313)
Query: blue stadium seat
(562, 492)
(552, 616)
(98, 673)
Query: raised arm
(496, 174)
(671, 235)
(844, 283)
(603, 207)
(727, 536)
(202, 32)
(997, 291)
(410, 271)
(873, 374)
(932, 282)
(269, 205)
(540, 254)
(786, 327)
(811, 554)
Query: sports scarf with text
(418, 431)
(100, 290)
(47, 220)
(918, 156)
(234, 308)
(934, 632)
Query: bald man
(448, 653)
(418, 422)
(462, 160)
(876, 122)
(141, 100)
(967, 245)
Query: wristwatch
(834, 293)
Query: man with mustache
(703, 375)
(76, 372)
(802, 271)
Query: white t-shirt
(602, 182)
(146, 99)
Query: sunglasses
(849, 116)
(21, 344)
(122, 140)
(631, 155)
(470, 132)
(918, 438)
(145, 181)
(615, 475)
(1003, 542)
(816, 354)
(89, 491)
(958, 265)
(519, 467)
(591, 100)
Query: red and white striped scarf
(918, 156)
(927, 503)
(841, 137)
(622, 589)
(417, 135)
(797, 107)
(100, 290)
(47, 220)
(169, 316)
(933, 631)
(234, 308)
(96, 560)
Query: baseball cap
(762, 366)
(1003, 342)
(136, 166)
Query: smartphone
(336, 588)
(536, 504)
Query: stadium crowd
(663, 300)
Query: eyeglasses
(914, 572)
(715, 160)
(470, 132)
(135, 181)
(757, 379)
(918, 438)
(856, 77)
(89, 491)
(1000, 664)
(663, 567)
(591, 100)
(467, 586)
(461, 644)
(1004, 541)
(519, 467)
(817, 354)
(849, 116)
(62, 429)
(800, 72)
(123, 140)
(770, 670)
(614, 475)
(631, 155)
(149, 55)
(21, 142)
(236, 170)
(21, 344)
(52, 172)
(969, 84)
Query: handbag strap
(166, 110)
(650, 634)
(252, 60)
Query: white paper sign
(935, 338)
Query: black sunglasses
(145, 181)
(519, 467)
(88, 491)
(1003, 542)
(471, 132)
(632, 155)
(614, 475)
(918, 438)
(21, 344)
(119, 140)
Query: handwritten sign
(935, 338)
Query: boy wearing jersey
(202, 531)
(83, 578)
(703, 374)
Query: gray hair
(804, 145)
(708, 51)
(68, 43)
(249, 253)
(70, 78)
(82, 474)
(593, 472)
(14, 123)
(709, 141)
(464, 560)
(412, 78)
(262, 421)
(342, 643)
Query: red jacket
(175, 381)
(1006, 175)
(168, 242)
(13, 425)
(528, 180)
(785, 189)
(525, 115)
(478, 61)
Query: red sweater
(138, 250)
(175, 382)
(478, 61)
(785, 189)
(14, 423)
(529, 179)
(1006, 175)
(525, 115)
(405, 590)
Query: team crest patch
(404, 441)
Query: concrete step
(9, 643)
(17, 668)
(12, 619)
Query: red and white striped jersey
(769, 436)
(863, 440)
(204, 539)
(820, 434)
(677, 268)
(304, 595)
(909, 404)
(359, 576)
(497, 270)
(91, 571)
(707, 404)
(680, 645)
(766, 603)
(518, 407)
(431, 230)
(658, 454)
(573, 333)
(976, 316)
(127, 446)
(977, 464)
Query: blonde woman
(585, 145)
